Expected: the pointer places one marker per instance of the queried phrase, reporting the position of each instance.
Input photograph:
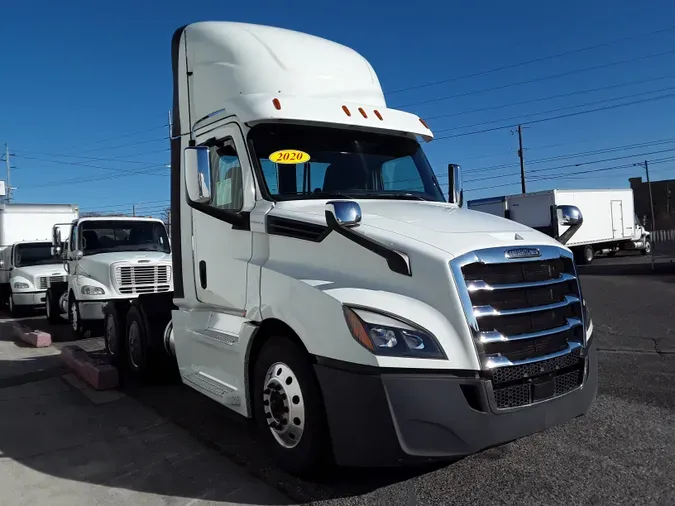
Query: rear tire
(647, 249)
(146, 358)
(587, 255)
(114, 334)
(288, 408)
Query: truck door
(221, 251)
(617, 218)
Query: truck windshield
(36, 253)
(102, 236)
(303, 162)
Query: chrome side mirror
(455, 190)
(569, 215)
(78, 255)
(56, 236)
(344, 213)
(197, 166)
(2, 263)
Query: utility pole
(8, 165)
(133, 209)
(651, 200)
(522, 158)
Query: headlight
(384, 335)
(19, 285)
(92, 290)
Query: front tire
(288, 408)
(14, 310)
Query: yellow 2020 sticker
(289, 156)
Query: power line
(570, 174)
(580, 164)
(79, 164)
(95, 158)
(559, 109)
(123, 136)
(528, 62)
(80, 180)
(551, 97)
(538, 79)
(532, 122)
(577, 155)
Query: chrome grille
(138, 279)
(526, 319)
(45, 282)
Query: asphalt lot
(622, 452)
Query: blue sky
(86, 88)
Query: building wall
(663, 194)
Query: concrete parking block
(97, 375)
(36, 338)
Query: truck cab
(324, 285)
(107, 258)
(32, 269)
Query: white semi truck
(27, 267)
(609, 224)
(323, 285)
(107, 258)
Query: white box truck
(609, 220)
(27, 267)
(107, 258)
(323, 284)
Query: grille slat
(527, 321)
(45, 282)
(138, 279)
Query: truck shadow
(123, 445)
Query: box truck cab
(107, 258)
(325, 288)
(27, 267)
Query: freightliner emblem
(522, 253)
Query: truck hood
(434, 223)
(32, 272)
(98, 266)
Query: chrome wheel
(110, 335)
(648, 247)
(73, 316)
(284, 405)
(135, 345)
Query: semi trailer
(27, 267)
(326, 288)
(610, 224)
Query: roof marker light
(424, 123)
(277, 104)
(377, 113)
(346, 110)
(363, 113)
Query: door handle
(202, 273)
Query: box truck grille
(138, 279)
(45, 282)
(524, 308)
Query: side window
(226, 192)
(73, 238)
(401, 174)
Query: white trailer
(323, 284)
(27, 267)
(609, 220)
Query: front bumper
(29, 298)
(393, 418)
(91, 309)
